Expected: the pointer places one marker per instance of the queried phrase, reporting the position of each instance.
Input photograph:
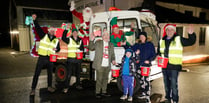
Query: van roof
(122, 14)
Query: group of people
(171, 47)
(49, 44)
(138, 55)
(141, 54)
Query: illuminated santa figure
(84, 18)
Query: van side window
(151, 31)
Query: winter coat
(132, 65)
(98, 47)
(147, 52)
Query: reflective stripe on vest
(175, 53)
(73, 48)
(46, 46)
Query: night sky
(4, 10)
(4, 25)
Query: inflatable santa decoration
(84, 18)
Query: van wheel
(61, 73)
(136, 84)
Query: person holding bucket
(145, 50)
(49, 44)
(171, 47)
(104, 56)
(128, 69)
(75, 47)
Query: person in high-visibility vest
(75, 44)
(171, 46)
(49, 44)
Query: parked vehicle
(143, 20)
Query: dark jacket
(41, 34)
(132, 65)
(184, 41)
(147, 52)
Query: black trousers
(42, 63)
(73, 67)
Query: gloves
(71, 4)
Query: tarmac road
(16, 71)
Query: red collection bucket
(79, 55)
(145, 71)
(162, 62)
(53, 57)
(115, 72)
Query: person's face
(52, 31)
(142, 38)
(116, 30)
(170, 32)
(105, 37)
(75, 33)
(128, 54)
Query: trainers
(32, 92)
(175, 102)
(123, 97)
(105, 95)
(50, 89)
(98, 96)
(65, 90)
(130, 99)
(142, 96)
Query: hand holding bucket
(79, 55)
(162, 62)
(145, 71)
(53, 57)
(115, 71)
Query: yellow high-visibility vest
(73, 47)
(46, 46)
(175, 53)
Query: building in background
(48, 13)
(184, 13)
(104, 5)
(178, 12)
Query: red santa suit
(84, 18)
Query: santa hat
(52, 28)
(114, 9)
(74, 28)
(88, 10)
(173, 26)
(113, 22)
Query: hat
(129, 50)
(173, 26)
(51, 28)
(115, 26)
(113, 22)
(114, 9)
(74, 28)
(143, 33)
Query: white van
(144, 21)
